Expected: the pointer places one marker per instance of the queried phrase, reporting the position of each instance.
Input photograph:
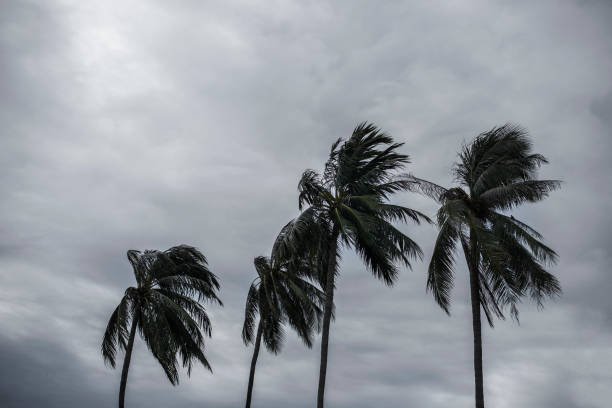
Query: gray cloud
(145, 125)
(45, 375)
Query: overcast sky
(147, 124)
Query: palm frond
(440, 272)
(184, 336)
(195, 309)
(424, 187)
(504, 225)
(250, 314)
(273, 333)
(506, 197)
(508, 141)
(528, 273)
(507, 170)
(117, 331)
(311, 189)
(184, 269)
(392, 212)
(298, 236)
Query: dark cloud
(148, 124)
(45, 375)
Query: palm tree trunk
(253, 364)
(329, 304)
(473, 264)
(126, 361)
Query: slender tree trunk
(126, 361)
(473, 263)
(329, 304)
(253, 364)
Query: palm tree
(349, 202)
(506, 258)
(281, 293)
(164, 307)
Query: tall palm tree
(348, 204)
(506, 258)
(281, 293)
(164, 307)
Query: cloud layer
(147, 124)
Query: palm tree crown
(496, 172)
(281, 294)
(164, 307)
(351, 197)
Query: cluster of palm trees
(344, 207)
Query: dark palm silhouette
(349, 201)
(164, 307)
(282, 293)
(505, 257)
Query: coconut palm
(506, 258)
(348, 205)
(164, 307)
(281, 293)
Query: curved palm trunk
(126, 361)
(473, 258)
(329, 304)
(253, 364)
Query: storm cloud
(147, 124)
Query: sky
(148, 124)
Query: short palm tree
(164, 307)
(282, 293)
(506, 258)
(349, 202)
